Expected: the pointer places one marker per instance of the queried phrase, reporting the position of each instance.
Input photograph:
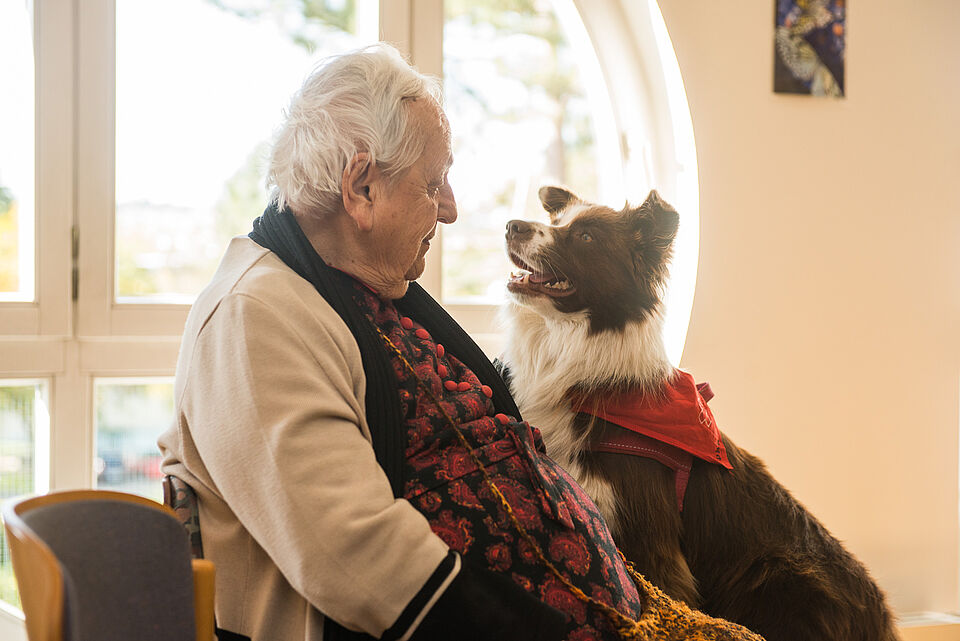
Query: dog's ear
(665, 220)
(655, 224)
(556, 199)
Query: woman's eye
(586, 237)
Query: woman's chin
(416, 269)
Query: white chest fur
(551, 353)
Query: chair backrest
(106, 565)
(180, 497)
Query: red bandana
(678, 416)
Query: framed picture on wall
(809, 47)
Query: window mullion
(395, 23)
(54, 49)
(96, 108)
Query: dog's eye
(586, 237)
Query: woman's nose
(448, 204)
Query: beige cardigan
(295, 512)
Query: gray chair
(107, 566)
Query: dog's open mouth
(530, 281)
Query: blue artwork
(809, 47)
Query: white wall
(827, 309)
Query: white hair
(351, 103)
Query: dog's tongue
(539, 278)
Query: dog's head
(610, 265)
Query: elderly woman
(359, 464)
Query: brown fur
(743, 548)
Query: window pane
(16, 153)
(130, 414)
(522, 116)
(194, 121)
(24, 457)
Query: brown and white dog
(585, 325)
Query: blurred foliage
(9, 250)
(535, 17)
(244, 196)
(6, 200)
(17, 417)
(305, 21)
(132, 278)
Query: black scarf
(279, 232)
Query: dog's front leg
(640, 508)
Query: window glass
(129, 415)
(24, 457)
(194, 122)
(16, 154)
(522, 116)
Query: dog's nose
(518, 228)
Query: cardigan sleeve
(272, 401)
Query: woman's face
(407, 211)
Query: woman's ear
(356, 189)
